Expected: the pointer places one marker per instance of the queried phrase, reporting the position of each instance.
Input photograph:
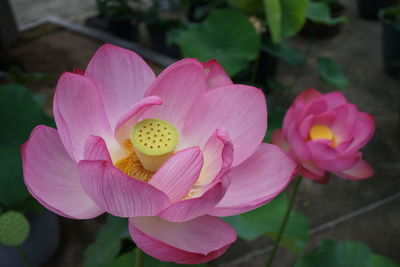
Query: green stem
(139, 259)
(23, 255)
(285, 221)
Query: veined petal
(126, 122)
(78, 111)
(121, 77)
(218, 157)
(179, 86)
(113, 190)
(215, 75)
(195, 241)
(361, 170)
(256, 181)
(239, 109)
(307, 96)
(363, 131)
(52, 177)
(177, 176)
(334, 99)
(339, 163)
(191, 208)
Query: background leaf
(284, 52)
(319, 12)
(273, 13)
(293, 16)
(248, 6)
(267, 219)
(14, 228)
(20, 113)
(108, 242)
(285, 17)
(226, 35)
(332, 73)
(332, 254)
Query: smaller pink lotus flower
(324, 133)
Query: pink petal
(305, 126)
(339, 163)
(79, 71)
(121, 77)
(240, 109)
(78, 111)
(307, 96)
(279, 139)
(179, 86)
(256, 181)
(194, 207)
(342, 127)
(297, 144)
(126, 122)
(196, 241)
(218, 157)
(315, 107)
(52, 177)
(363, 131)
(215, 74)
(114, 191)
(334, 99)
(327, 118)
(310, 171)
(322, 149)
(177, 176)
(95, 149)
(361, 170)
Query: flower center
(154, 141)
(322, 132)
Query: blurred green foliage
(266, 221)
(331, 73)
(20, 113)
(226, 35)
(339, 254)
(108, 242)
(14, 228)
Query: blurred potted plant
(369, 9)
(160, 29)
(324, 18)
(118, 16)
(390, 18)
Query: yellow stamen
(132, 167)
(154, 141)
(322, 132)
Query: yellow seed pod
(154, 141)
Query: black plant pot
(41, 244)
(368, 9)
(125, 28)
(391, 48)
(321, 31)
(159, 42)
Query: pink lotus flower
(170, 153)
(323, 133)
